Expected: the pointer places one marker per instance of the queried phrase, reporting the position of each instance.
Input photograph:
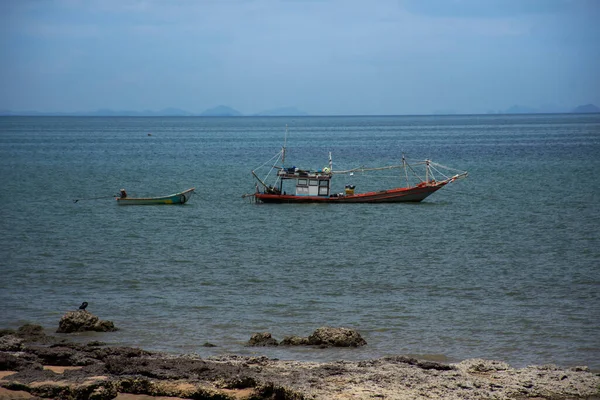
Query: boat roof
(288, 173)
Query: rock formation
(336, 337)
(62, 370)
(262, 339)
(81, 321)
(322, 337)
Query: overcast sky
(325, 57)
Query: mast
(405, 170)
(283, 157)
(427, 172)
(284, 146)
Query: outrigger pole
(260, 180)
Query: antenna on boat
(330, 163)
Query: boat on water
(176, 198)
(294, 185)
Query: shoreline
(37, 365)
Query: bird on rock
(83, 305)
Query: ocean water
(502, 265)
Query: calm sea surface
(503, 265)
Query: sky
(324, 57)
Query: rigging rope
(276, 157)
(95, 198)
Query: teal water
(503, 265)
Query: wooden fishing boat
(293, 185)
(176, 198)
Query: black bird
(83, 305)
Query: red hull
(399, 195)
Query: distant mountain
(173, 112)
(225, 111)
(282, 112)
(103, 112)
(166, 112)
(552, 109)
(25, 113)
(517, 109)
(221, 111)
(445, 112)
(586, 109)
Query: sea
(502, 265)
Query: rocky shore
(36, 365)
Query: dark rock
(95, 343)
(327, 337)
(135, 371)
(81, 321)
(103, 353)
(336, 337)
(65, 390)
(485, 366)
(61, 355)
(423, 364)
(176, 368)
(238, 382)
(262, 339)
(209, 345)
(106, 391)
(331, 369)
(580, 368)
(10, 362)
(5, 332)
(11, 343)
(31, 333)
(294, 341)
(105, 326)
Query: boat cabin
(307, 183)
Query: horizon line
(60, 114)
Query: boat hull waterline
(176, 198)
(398, 195)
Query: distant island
(282, 112)
(221, 111)
(584, 109)
(218, 111)
(226, 111)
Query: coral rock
(81, 321)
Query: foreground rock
(262, 339)
(94, 371)
(81, 321)
(336, 337)
(322, 337)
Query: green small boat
(176, 198)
